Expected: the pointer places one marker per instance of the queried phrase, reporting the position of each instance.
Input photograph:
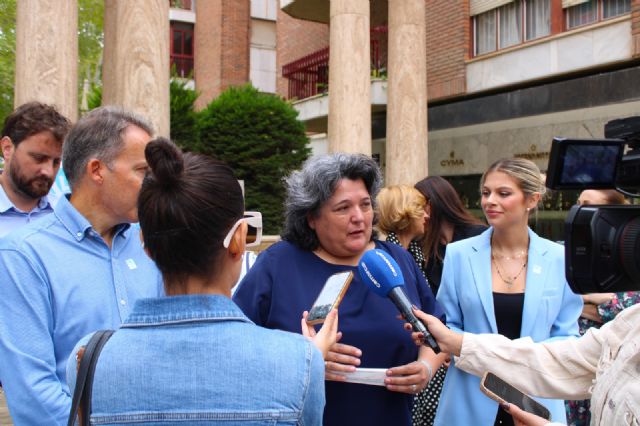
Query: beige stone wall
(136, 59)
(47, 54)
(406, 149)
(349, 77)
(470, 149)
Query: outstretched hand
(523, 418)
(449, 341)
(328, 334)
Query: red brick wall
(635, 27)
(236, 24)
(295, 39)
(222, 35)
(448, 44)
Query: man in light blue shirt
(77, 270)
(31, 146)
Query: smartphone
(330, 296)
(499, 390)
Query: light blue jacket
(196, 360)
(551, 311)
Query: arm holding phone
(328, 334)
(601, 365)
(561, 369)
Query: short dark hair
(98, 135)
(309, 188)
(32, 118)
(187, 205)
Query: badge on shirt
(131, 264)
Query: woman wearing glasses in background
(193, 357)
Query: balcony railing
(309, 75)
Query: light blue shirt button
(123, 302)
(79, 234)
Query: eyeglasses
(254, 230)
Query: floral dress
(426, 402)
(578, 413)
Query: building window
(503, 26)
(510, 29)
(582, 14)
(485, 28)
(538, 18)
(592, 11)
(613, 8)
(182, 48)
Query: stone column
(349, 77)
(47, 54)
(136, 59)
(406, 151)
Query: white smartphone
(499, 390)
(330, 296)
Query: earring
(528, 209)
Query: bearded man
(31, 146)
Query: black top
(433, 267)
(508, 311)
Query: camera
(602, 243)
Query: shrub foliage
(259, 136)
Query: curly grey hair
(98, 135)
(309, 188)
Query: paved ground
(5, 419)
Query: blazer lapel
(480, 264)
(537, 271)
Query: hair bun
(165, 161)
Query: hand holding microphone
(383, 276)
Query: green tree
(183, 118)
(7, 56)
(90, 40)
(260, 136)
(90, 47)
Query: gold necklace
(518, 255)
(508, 281)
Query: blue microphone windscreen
(380, 271)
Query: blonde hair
(397, 206)
(525, 172)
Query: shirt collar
(6, 204)
(183, 309)
(75, 223)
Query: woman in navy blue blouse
(328, 226)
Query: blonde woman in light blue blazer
(507, 280)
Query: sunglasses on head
(254, 229)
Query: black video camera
(602, 243)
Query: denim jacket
(198, 360)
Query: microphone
(383, 276)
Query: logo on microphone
(366, 271)
(393, 270)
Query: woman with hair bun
(506, 281)
(193, 357)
